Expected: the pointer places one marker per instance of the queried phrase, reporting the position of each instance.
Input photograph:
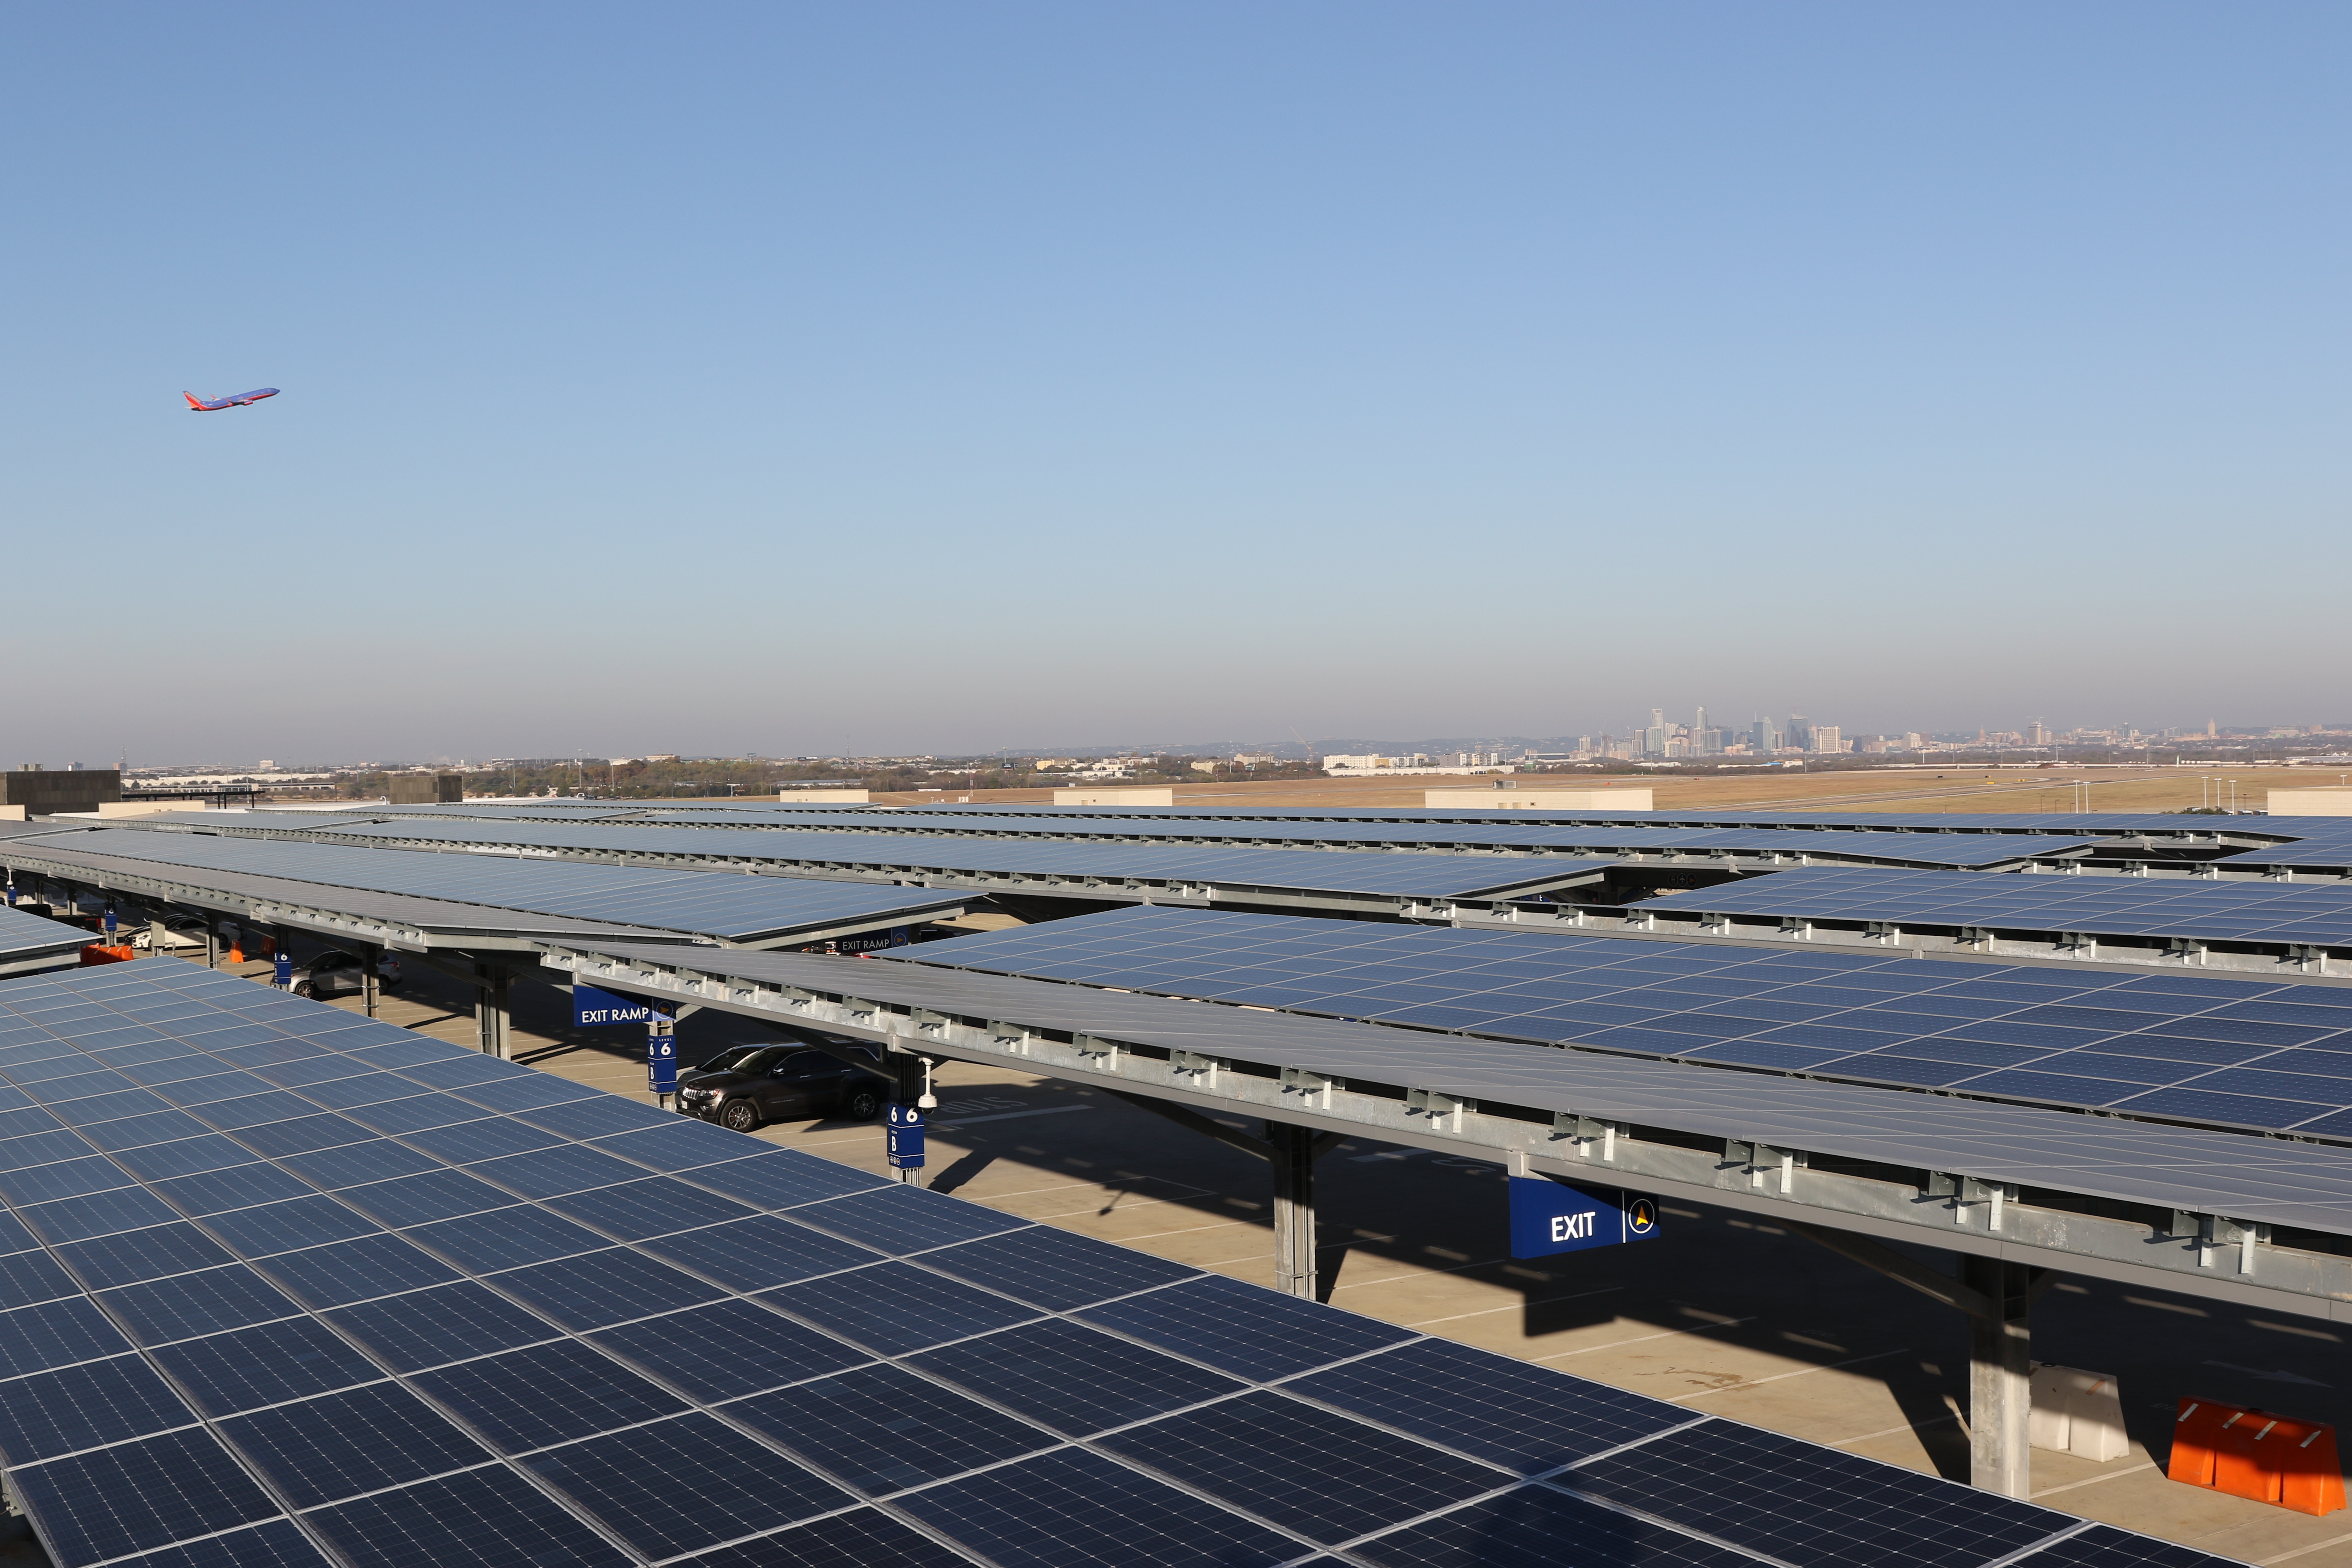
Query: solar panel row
(28, 937)
(1301, 871)
(743, 908)
(242, 1324)
(1907, 848)
(2109, 906)
(2064, 822)
(2231, 1053)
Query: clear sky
(795, 378)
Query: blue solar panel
(361, 1440)
(268, 1363)
(685, 1483)
(1227, 1325)
(2242, 1053)
(1054, 1268)
(761, 1350)
(1524, 1417)
(487, 1518)
(1073, 1378)
(278, 1543)
(1070, 1509)
(783, 1179)
(356, 1270)
(86, 1407)
(414, 1200)
(901, 1219)
(204, 1302)
(1778, 1496)
(283, 1226)
(756, 1253)
(892, 1309)
(128, 1498)
(29, 1277)
(243, 1183)
(881, 1429)
(606, 1288)
(1329, 1478)
(128, 1258)
(1526, 1528)
(657, 1206)
(443, 1325)
(547, 1395)
(858, 1539)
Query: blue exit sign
(1549, 1215)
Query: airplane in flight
(198, 406)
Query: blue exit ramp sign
(1548, 1215)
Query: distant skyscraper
(1799, 733)
(1825, 738)
(1764, 736)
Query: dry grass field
(1980, 789)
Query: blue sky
(787, 379)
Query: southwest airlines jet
(198, 406)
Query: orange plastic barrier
(98, 953)
(2253, 1454)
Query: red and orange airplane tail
(192, 402)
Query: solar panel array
(1301, 871)
(1919, 848)
(2064, 822)
(28, 936)
(2109, 906)
(711, 903)
(2228, 1053)
(279, 1282)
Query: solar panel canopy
(1919, 849)
(2228, 1053)
(29, 938)
(1305, 870)
(2114, 906)
(738, 907)
(281, 1286)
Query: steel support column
(1294, 1208)
(490, 1017)
(370, 983)
(2000, 1369)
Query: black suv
(745, 1084)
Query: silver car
(335, 972)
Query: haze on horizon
(939, 379)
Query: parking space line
(2111, 1474)
(1642, 1339)
(1891, 1431)
(1775, 1377)
(1512, 1306)
(2304, 1551)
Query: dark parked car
(339, 973)
(745, 1084)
